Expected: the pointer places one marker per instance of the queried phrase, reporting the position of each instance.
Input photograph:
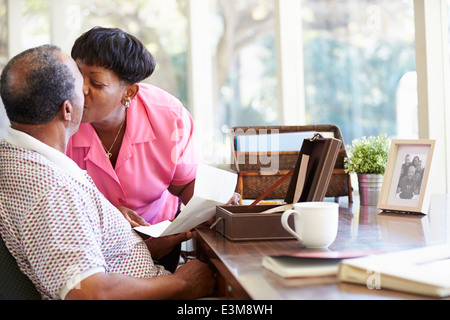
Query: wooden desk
(241, 276)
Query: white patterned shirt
(57, 224)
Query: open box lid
(312, 172)
(281, 144)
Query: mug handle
(285, 224)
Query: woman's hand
(234, 199)
(232, 202)
(132, 217)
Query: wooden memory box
(309, 180)
(259, 167)
(239, 223)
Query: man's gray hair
(34, 84)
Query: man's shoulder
(28, 167)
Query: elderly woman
(136, 140)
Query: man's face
(78, 102)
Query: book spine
(324, 170)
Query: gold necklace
(108, 151)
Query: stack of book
(423, 271)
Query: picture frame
(405, 181)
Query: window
(244, 75)
(3, 34)
(160, 25)
(35, 23)
(359, 62)
(245, 63)
(3, 60)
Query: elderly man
(65, 236)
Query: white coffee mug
(315, 223)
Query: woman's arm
(184, 192)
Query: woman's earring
(127, 104)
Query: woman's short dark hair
(115, 50)
(47, 82)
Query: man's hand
(159, 247)
(198, 276)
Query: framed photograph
(405, 180)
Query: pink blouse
(158, 149)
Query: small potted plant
(367, 157)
